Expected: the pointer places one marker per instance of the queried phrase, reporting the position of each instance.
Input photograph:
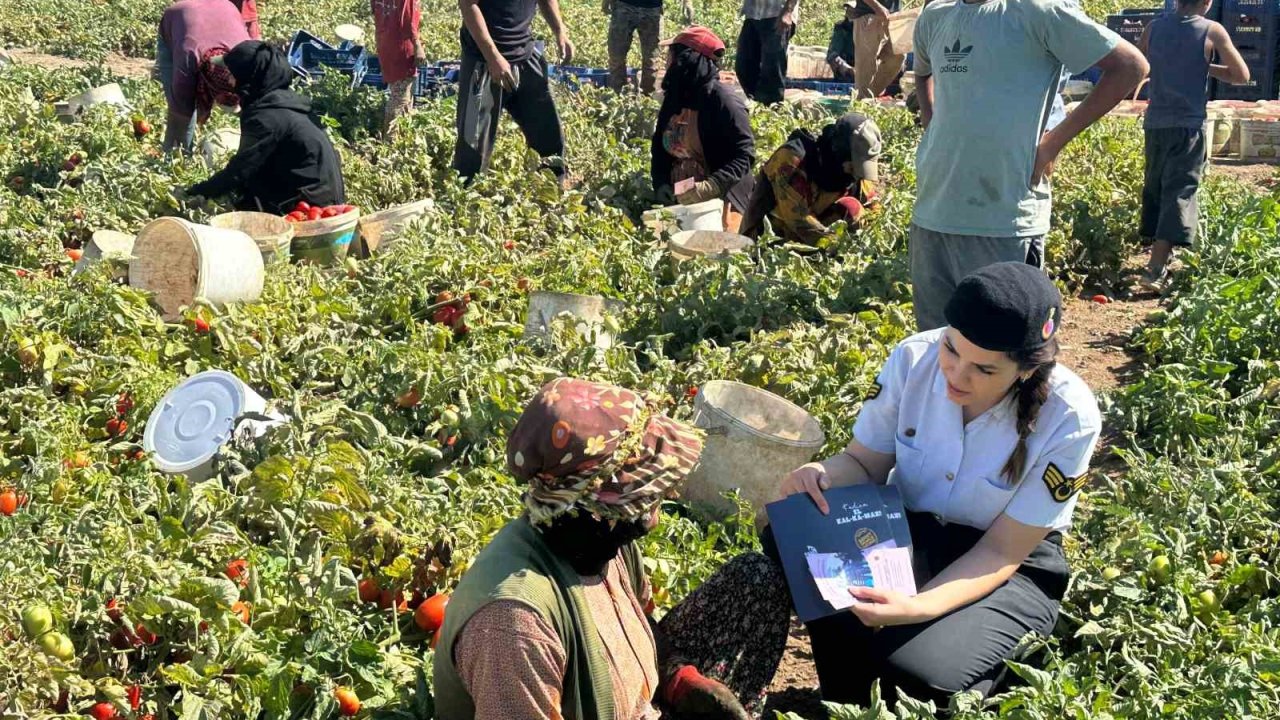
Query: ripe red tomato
(314, 214)
(124, 403)
(388, 600)
(102, 711)
(135, 697)
(303, 206)
(369, 590)
(1101, 299)
(8, 502)
(430, 614)
(348, 701)
(329, 212)
(295, 216)
(117, 427)
(344, 209)
(238, 571)
(241, 610)
(75, 254)
(201, 326)
(145, 635)
(113, 610)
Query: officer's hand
(879, 608)
(811, 480)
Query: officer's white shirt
(953, 470)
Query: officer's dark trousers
(964, 650)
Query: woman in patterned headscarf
(552, 619)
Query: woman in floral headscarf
(552, 620)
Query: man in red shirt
(395, 24)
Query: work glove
(700, 192)
(691, 696)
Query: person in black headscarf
(811, 182)
(284, 154)
(702, 146)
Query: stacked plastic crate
(1254, 26)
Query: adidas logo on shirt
(957, 58)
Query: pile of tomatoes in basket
(306, 212)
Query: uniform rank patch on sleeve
(874, 392)
(1062, 487)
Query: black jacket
(724, 129)
(284, 157)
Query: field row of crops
(392, 468)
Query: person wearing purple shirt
(189, 31)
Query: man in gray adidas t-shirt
(987, 73)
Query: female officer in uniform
(988, 440)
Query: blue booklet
(864, 542)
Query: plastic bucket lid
(194, 419)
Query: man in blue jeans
(761, 64)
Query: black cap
(1006, 307)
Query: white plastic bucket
(109, 94)
(380, 229)
(272, 233)
(110, 246)
(707, 215)
(589, 310)
(219, 144)
(199, 416)
(180, 261)
(712, 244)
(754, 438)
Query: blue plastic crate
(302, 39)
(1263, 80)
(314, 58)
(826, 87)
(1131, 26)
(1256, 8)
(577, 76)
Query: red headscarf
(214, 84)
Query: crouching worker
(284, 155)
(552, 620)
(988, 439)
(703, 136)
(811, 182)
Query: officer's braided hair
(1030, 395)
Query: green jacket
(518, 565)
